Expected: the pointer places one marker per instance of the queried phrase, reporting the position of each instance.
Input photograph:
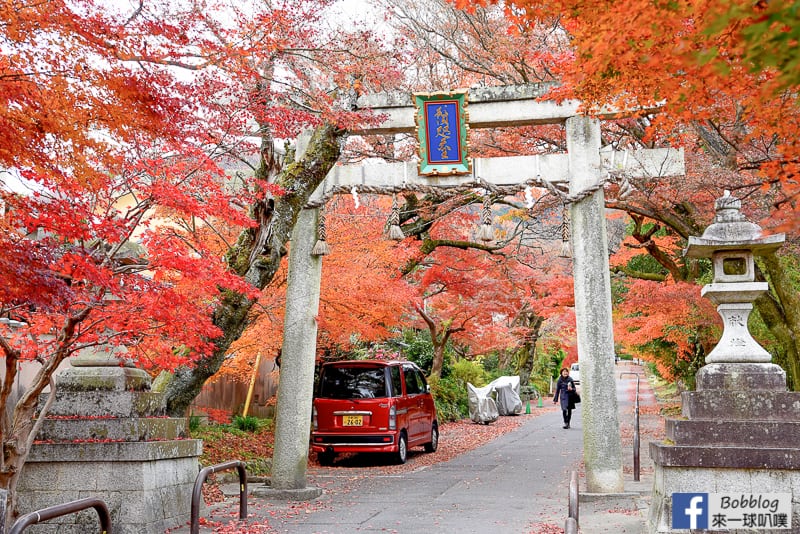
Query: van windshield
(353, 383)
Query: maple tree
(668, 324)
(350, 62)
(122, 124)
(460, 48)
(94, 118)
(546, 321)
(664, 214)
(362, 296)
(489, 296)
(722, 76)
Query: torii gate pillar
(298, 354)
(601, 439)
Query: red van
(372, 406)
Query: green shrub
(451, 399)
(246, 423)
(469, 371)
(194, 422)
(491, 362)
(258, 466)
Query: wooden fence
(229, 395)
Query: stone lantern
(739, 431)
(731, 242)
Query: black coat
(562, 387)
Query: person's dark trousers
(567, 416)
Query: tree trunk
(438, 358)
(527, 318)
(528, 350)
(439, 337)
(780, 310)
(257, 256)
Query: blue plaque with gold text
(442, 133)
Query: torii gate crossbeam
(582, 168)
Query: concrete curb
(290, 494)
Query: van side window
(423, 384)
(397, 386)
(413, 384)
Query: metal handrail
(65, 509)
(194, 527)
(573, 496)
(636, 446)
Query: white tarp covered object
(499, 397)
(482, 408)
(507, 395)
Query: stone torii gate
(584, 168)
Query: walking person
(564, 389)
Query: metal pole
(60, 510)
(570, 526)
(636, 463)
(574, 496)
(240, 466)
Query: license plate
(352, 420)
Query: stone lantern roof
(731, 231)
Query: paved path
(518, 483)
(499, 487)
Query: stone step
(733, 433)
(667, 455)
(741, 405)
(139, 451)
(113, 429)
(113, 403)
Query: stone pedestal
(107, 436)
(740, 432)
(741, 427)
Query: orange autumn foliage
(660, 322)
(120, 122)
(721, 66)
(362, 294)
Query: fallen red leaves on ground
(546, 528)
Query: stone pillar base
(299, 494)
(741, 376)
(106, 436)
(147, 486)
(669, 480)
(740, 433)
